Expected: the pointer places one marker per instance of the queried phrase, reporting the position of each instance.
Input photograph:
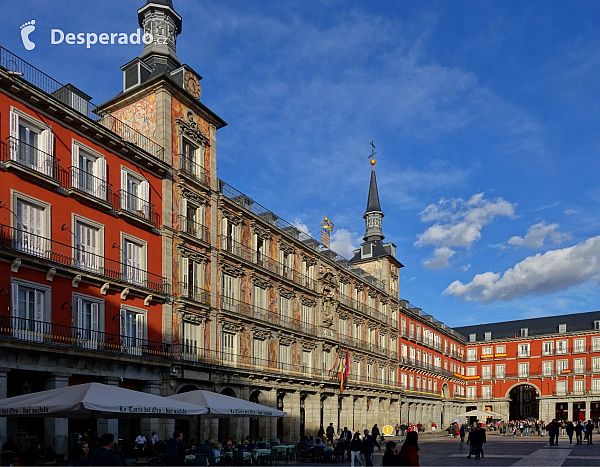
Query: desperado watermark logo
(58, 36)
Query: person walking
(390, 456)
(471, 442)
(330, 433)
(397, 428)
(590, 431)
(375, 431)
(570, 429)
(175, 454)
(369, 443)
(105, 455)
(409, 454)
(553, 431)
(578, 432)
(402, 429)
(321, 431)
(355, 449)
(462, 432)
(480, 440)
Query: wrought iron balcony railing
(194, 293)
(89, 184)
(78, 257)
(194, 229)
(138, 207)
(190, 167)
(31, 157)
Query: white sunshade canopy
(482, 414)
(222, 406)
(86, 400)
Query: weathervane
(372, 155)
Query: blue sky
(485, 115)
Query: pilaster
(56, 431)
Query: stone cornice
(285, 292)
(260, 232)
(261, 334)
(231, 216)
(307, 301)
(230, 269)
(309, 260)
(286, 247)
(230, 326)
(261, 281)
(191, 317)
(192, 254)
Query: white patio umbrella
(222, 406)
(481, 414)
(91, 399)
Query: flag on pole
(343, 371)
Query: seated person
(191, 451)
(252, 444)
(320, 443)
(217, 452)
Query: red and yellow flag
(343, 370)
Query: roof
(168, 3)
(373, 200)
(535, 326)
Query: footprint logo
(27, 29)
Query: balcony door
(30, 228)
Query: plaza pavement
(440, 450)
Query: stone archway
(226, 425)
(259, 425)
(524, 401)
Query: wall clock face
(192, 84)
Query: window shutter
(75, 164)
(184, 276)
(145, 195)
(95, 317)
(198, 275)
(78, 318)
(123, 188)
(140, 326)
(46, 160)
(15, 300)
(39, 305)
(100, 167)
(14, 133)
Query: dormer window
(562, 328)
(488, 336)
(366, 250)
(472, 337)
(524, 332)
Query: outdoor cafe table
(283, 447)
(256, 453)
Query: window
(31, 143)
(231, 236)
(561, 388)
(524, 332)
(527, 396)
(258, 351)
(486, 392)
(595, 344)
(135, 193)
(306, 361)
(578, 386)
(260, 250)
(307, 313)
(523, 350)
(228, 347)
(284, 311)
(472, 337)
(500, 351)
(418, 382)
(192, 158)
(597, 325)
(547, 368)
(523, 370)
(134, 260)
(88, 170)
(192, 278)
(369, 372)
(579, 365)
(500, 371)
(486, 351)
(258, 298)
(547, 348)
(472, 354)
(231, 292)
(134, 330)
(30, 307)
(404, 349)
(191, 338)
(562, 366)
(284, 356)
(596, 364)
(403, 380)
(193, 219)
(413, 353)
(471, 371)
(486, 372)
(488, 336)
(88, 321)
(578, 345)
(562, 328)
(89, 244)
(561, 347)
(32, 221)
(471, 392)
(596, 385)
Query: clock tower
(159, 18)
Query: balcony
(194, 293)
(137, 209)
(29, 244)
(31, 161)
(189, 168)
(264, 261)
(193, 229)
(88, 188)
(79, 338)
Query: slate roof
(373, 199)
(536, 326)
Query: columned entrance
(523, 402)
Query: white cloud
(439, 258)
(343, 242)
(458, 224)
(570, 212)
(300, 225)
(466, 267)
(540, 274)
(537, 234)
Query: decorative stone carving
(286, 247)
(309, 260)
(344, 279)
(383, 332)
(232, 327)
(193, 317)
(191, 130)
(394, 276)
(359, 286)
(309, 346)
(329, 308)
(371, 325)
(192, 254)
(394, 306)
(327, 347)
(286, 340)
(285, 292)
(260, 232)
(358, 321)
(393, 336)
(371, 361)
(372, 293)
(230, 269)
(308, 301)
(384, 300)
(192, 195)
(261, 282)
(343, 315)
(231, 216)
(261, 334)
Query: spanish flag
(343, 371)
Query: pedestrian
(402, 429)
(330, 433)
(480, 440)
(83, 456)
(570, 430)
(390, 456)
(346, 435)
(140, 442)
(589, 431)
(462, 436)
(471, 442)
(369, 443)
(321, 431)
(554, 429)
(433, 427)
(154, 438)
(409, 454)
(578, 432)
(105, 455)
(355, 449)
(397, 428)
(175, 453)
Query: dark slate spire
(373, 200)
(168, 3)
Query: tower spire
(159, 18)
(373, 215)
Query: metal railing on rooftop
(78, 101)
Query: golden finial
(372, 155)
(327, 224)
